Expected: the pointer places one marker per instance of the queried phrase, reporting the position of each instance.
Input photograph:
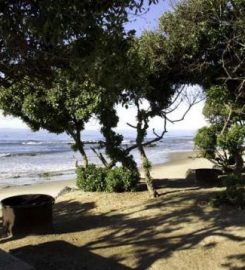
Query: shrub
(234, 197)
(118, 179)
(231, 181)
(91, 178)
(206, 141)
(234, 194)
(121, 179)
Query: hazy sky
(147, 21)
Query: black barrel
(28, 214)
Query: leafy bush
(99, 179)
(221, 149)
(91, 178)
(121, 179)
(206, 142)
(231, 181)
(233, 139)
(222, 142)
(234, 197)
(234, 194)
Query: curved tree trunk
(80, 147)
(113, 141)
(146, 170)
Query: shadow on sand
(63, 255)
(147, 232)
(235, 258)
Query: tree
(161, 92)
(113, 141)
(65, 107)
(80, 39)
(94, 49)
(143, 117)
(222, 142)
(206, 41)
(205, 44)
(142, 82)
(38, 36)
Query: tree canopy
(154, 84)
(66, 106)
(38, 36)
(222, 141)
(63, 62)
(206, 42)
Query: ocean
(28, 157)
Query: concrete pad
(8, 261)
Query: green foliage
(113, 141)
(54, 109)
(234, 194)
(221, 148)
(144, 81)
(234, 197)
(146, 164)
(64, 107)
(151, 77)
(222, 141)
(40, 36)
(233, 139)
(91, 178)
(121, 179)
(206, 141)
(205, 42)
(218, 98)
(94, 178)
(231, 181)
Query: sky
(147, 21)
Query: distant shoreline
(30, 158)
(33, 178)
(176, 167)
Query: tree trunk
(79, 146)
(83, 154)
(146, 170)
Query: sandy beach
(177, 230)
(176, 167)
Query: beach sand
(176, 167)
(177, 230)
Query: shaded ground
(178, 230)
